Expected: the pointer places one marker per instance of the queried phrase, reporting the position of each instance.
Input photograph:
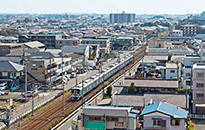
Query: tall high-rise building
(122, 18)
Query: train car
(85, 87)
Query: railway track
(51, 114)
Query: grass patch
(191, 125)
(39, 109)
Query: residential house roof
(138, 100)
(9, 66)
(171, 65)
(168, 109)
(151, 83)
(34, 44)
(75, 49)
(42, 55)
(17, 53)
(13, 59)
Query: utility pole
(19, 123)
(32, 103)
(82, 93)
(62, 83)
(104, 84)
(124, 64)
(50, 69)
(129, 71)
(26, 80)
(76, 74)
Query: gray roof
(34, 44)
(42, 55)
(13, 59)
(75, 49)
(121, 38)
(158, 58)
(171, 65)
(138, 100)
(151, 83)
(8, 66)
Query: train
(89, 84)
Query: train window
(75, 92)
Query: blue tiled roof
(165, 108)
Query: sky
(102, 6)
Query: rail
(89, 101)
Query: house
(140, 100)
(150, 85)
(173, 70)
(108, 117)
(6, 48)
(44, 68)
(31, 46)
(17, 53)
(189, 61)
(198, 71)
(82, 50)
(11, 72)
(157, 44)
(163, 115)
(104, 45)
(17, 60)
(67, 42)
(8, 39)
(161, 59)
(177, 33)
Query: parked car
(3, 86)
(73, 75)
(67, 78)
(1, 93)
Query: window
(188, 83)
(111, 118)
(199, 85)
(188, 74)
(96, 118)
(199, 74)
(34, 65)
(175, 121)
(172, 71)
(4, 73)
(157, 122)
(13, 74)
(203, 46)
(199, 95)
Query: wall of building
(170, 73)
(198, 90)
(148, 122)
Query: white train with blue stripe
(89, 84)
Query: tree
(132, 88)
(109, 91)
(169, 56)
(27, 19)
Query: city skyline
(101, 7)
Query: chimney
(164, 100)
